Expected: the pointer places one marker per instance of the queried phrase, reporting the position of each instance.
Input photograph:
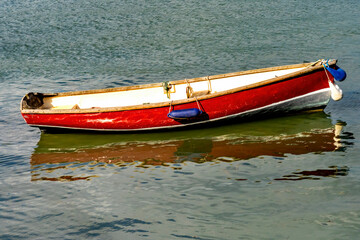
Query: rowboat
(189, 102)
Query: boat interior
(153, 93)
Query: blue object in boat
(184, 113)
(338, 73)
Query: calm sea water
(294, 177)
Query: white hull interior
(157, 94)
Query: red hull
(305, 92)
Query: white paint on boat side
(105, 120)
(311, 100)
(157, 94)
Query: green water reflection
(299, 134)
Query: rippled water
(294, 177)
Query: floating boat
(188, 102)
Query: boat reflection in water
(299, 134)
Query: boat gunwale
(309, 68)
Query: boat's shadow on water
(58, 156)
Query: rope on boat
(190, 89)
(188, 113)
(170, 107)
(185, 113)
(327, 75)
(338, 73)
